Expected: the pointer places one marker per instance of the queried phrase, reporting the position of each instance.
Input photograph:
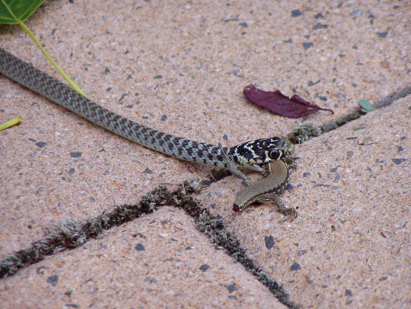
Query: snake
(249, 155)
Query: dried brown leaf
(294, 107)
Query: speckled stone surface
(350, 242)
(180, 67)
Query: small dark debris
(383, 278)
(68, 293)
(72, 171)
(337, 178)
(123, 96)
(129, 77)
(53, 280)
(296, 13)
(164, 118)
(295, 266)
(382, 34)
(40, 191)
(398, 161)
(232, 297)
(158, 77)
(348, 302)
(213, 205)
(40, 270)
(348, 293)
(306, 174)
(164, 222)
(72, 305)
(400, 148)
(204, 267)
(269, 241)
(225, 137)
(288, 41)
(53, 31)
(41, 144)
(109, 89)
(244, 25)
(334, 169)
(321, 185)
(231, 287)
(322, 98)
(320, 26)
(310, 83)
(76, 154)
(188, 248)
(319, 15)
(130, 106)
(32, 140)
(148, 171)
(351, 138)
(139, 247)
(106, 71)
(358, 129)
(301, 252)
(350, 154)
(308, 45)
(230, 19)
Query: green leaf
(13, 11)
(16, 12)
(366, 106)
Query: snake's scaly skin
(251, 154)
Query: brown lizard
(275, 179)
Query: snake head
(254, 154)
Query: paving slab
(137, 265)
(350, 243)
(181, 67)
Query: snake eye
(275, 154)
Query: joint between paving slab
(309, 130)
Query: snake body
(252, 154)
